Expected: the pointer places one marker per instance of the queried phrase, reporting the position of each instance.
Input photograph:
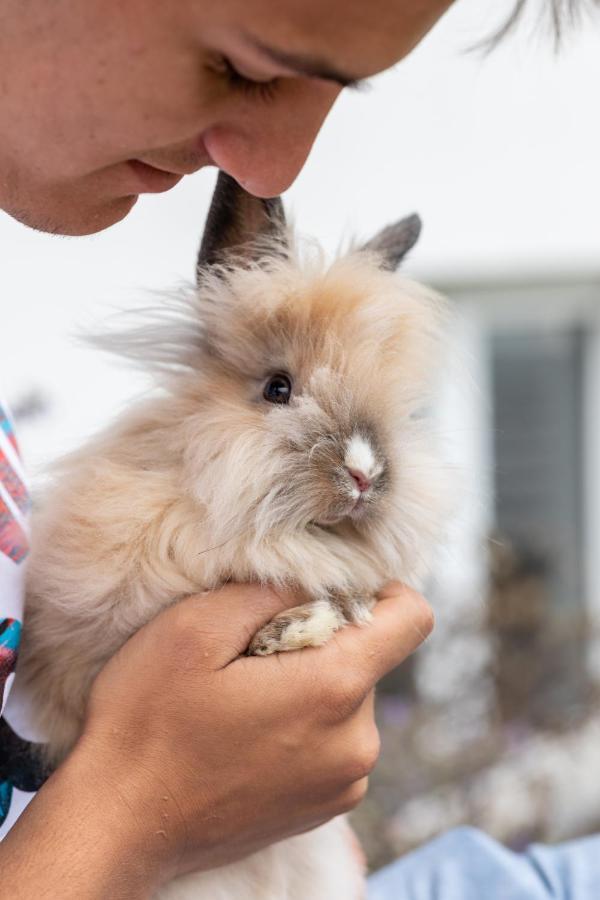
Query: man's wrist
(139, 814)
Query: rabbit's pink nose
(363, 483)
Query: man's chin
(75, 220)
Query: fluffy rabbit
(286, 444)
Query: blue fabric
(466, 864)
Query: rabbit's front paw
(309, 625)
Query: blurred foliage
(522, 763)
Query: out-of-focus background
(496, 721)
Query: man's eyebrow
(305, 64)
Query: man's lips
(157, 178)
(150, 180)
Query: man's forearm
(76, 841)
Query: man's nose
(266, 150)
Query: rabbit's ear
(393, 243)
(238, 223)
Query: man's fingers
(228, 618)
(402, 619)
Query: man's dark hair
(559, 14)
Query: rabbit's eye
(278, 389)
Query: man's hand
(241, 751)
(198, 755)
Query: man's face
(101, 100)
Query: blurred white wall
(498, 154)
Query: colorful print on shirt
(13, 540)
(10, 634)
(6, 427)
(20, 761)
(21, 770)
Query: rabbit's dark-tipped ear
(237, 222)
(395, 241)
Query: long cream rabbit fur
(282, 382)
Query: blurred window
(537, 390)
